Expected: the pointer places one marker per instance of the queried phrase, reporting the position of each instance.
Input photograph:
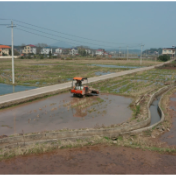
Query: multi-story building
(58, 50)
(29, 49)
(168, 51)
(4, 49)
(99, 52)
(74, 51)
(46, 50)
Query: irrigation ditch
(23, 140)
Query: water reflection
(64, 111)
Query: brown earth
(168, 66)
(92, 160)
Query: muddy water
(64, 111)
(155, 116)
(7, 89)
(170, 136)
(99, 159)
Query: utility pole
(141, 55)
(13, 71)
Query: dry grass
(35, 72)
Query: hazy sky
(131, 23)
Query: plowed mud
(64, 111)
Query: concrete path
(14, 97)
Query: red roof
(4, 46)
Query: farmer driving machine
(79, 90)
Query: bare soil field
(98, 159)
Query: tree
(10, 52)
(82, 52)
(16, 53)
(40, 46)
(164, 58)
(50, 54)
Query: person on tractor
(78, 85)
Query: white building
(58, 50)
(99, 52)
(88, 51)
(73, 51)
(168, 51)
(46, 50)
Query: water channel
(154, 110)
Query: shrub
(41, 57)
(21, 57)
(164, 58)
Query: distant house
(58, 50)
(99, 52)
(168, 51)
(88, 51)
(46, 50)
(74, 51)
(4, 50)
(66, 51)
(105, 54)
(29, 49)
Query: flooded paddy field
(116, 66)
(137, 85)
(36, 72)
(7, 89)
(64, 111)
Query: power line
(66, 33)
(66, 37)
(44, 36)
